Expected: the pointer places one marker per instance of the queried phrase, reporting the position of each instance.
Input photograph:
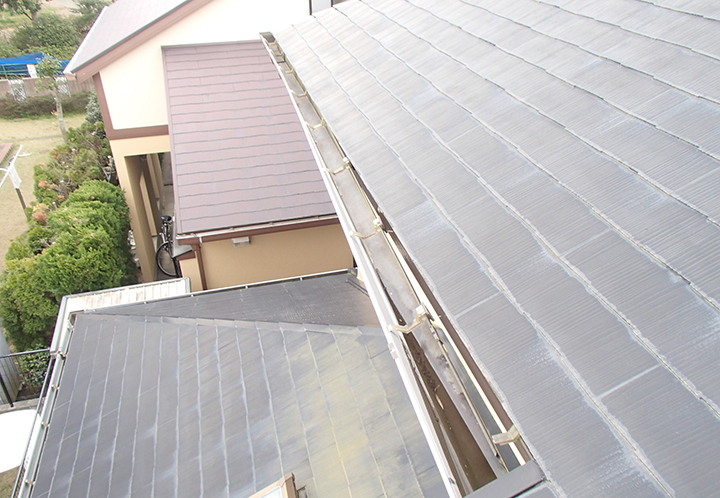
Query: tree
(49, 71)
(27, 8)
(50, 34)
(88, 11)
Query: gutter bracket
(420, 314)
(377, 227)
(317, 126)
(511, 436)
(345, 165)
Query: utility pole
(14, 177)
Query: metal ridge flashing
(298, 278)
(376, 291)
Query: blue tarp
(17, 66)
(33, 58)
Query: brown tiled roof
(240, 156)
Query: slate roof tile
(218, 406)
(558, 164)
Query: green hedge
(49, 33)
(27, 309)
(84, 247)
(71, 164)
(42, 105)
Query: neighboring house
(530, 191)
(249, 198)
(146, 115)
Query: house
(530, 192)
(221, 133)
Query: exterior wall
(276, 255)
(191, 270)
(137, 182)
(136, 102)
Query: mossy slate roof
(158, 406)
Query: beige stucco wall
(134, 84)
(276, 255)
(191, 270)
(125, 153)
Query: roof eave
(96, 63)
(195, 238)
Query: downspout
(201, 266)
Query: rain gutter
(384, 309)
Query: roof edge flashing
(140, 35)
(190, 238)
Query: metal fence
(22, 375)
(42, 395)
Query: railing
(8, 71)
(22, 375)
(44, 388)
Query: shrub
(8, 50)
(82, 158)
(34, 368)
(91, 250)
(76, 103)
(84, 247)
(32, 243)
(41, 105)
(81, 260)
(18, 249)
(92, 109)
(28, 310)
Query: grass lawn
(38, 137)
(7, 479)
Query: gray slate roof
(552, 168)
(151, 406)
(338, 299)
(240, 156)
(117, 23)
